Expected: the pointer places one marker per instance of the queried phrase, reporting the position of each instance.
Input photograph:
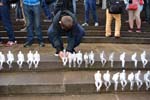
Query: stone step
(50, 63)
(110, 96)
(58, 82)
(45, 26)
(58, 65)
(96, 39)
(80, 19)
(92, 33)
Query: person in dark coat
(65, 22)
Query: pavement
(118, 96)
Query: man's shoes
(27, 44)
(11, 43)
(74, 51)
(56, 53)
(138, 30)
(85, 24)
(41, 44)
(130, 30)
(117, 37)
(108, 35)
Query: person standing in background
(6, 21)
(147, 10)
(90, 5)
(32, 16)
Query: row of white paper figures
(88, 58)
(32, 58)
(121, 77)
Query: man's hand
(1, 4)
(63, 54)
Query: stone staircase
(53, 81)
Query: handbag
(132, 6)
(141, 2)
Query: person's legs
(46, 9)
(55, 38)
(74, 39)
(87, 11)
(108, 24)
(80, 33)
(29, 23)
(74, 6)
(5, 17)
(138, 19)
(93, 9)
(37, 24)
(117, 24)
(52, 8)
(131, 20)
(0, 34)
(147, 10)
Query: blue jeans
(48, 9)
(74, 6)
(147, 10)
(6, 21)
(90, 5)
(73, 39)
(32, 16)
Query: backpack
(115, 7)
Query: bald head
(66, 22)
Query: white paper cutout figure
(91, 58)
(133, 58)
(79, 58)
(111, 59)
(20, 59)
(64, 58)
(74, 59)
(86, 59)
(107, 82)
(122, 58)
(147, 79)
(36, 59)
(10, 59)
(70, 59)
(138, 81)
(115, 78)
(131, 80)
(123, 80)
(98, 80)
(102, 58)
(143, 58)
(2, 60)
(30, 59)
